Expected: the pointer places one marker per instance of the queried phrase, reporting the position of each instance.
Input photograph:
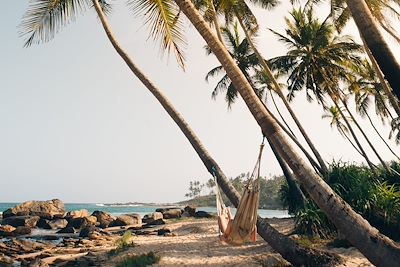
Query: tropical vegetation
(333, 70)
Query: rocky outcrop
(127, 219)
(6, 230)
(79, 223)
(76, 214)
(149, 218)
(67, 230)
(56, 224)
(29, 221)
(191, 210)
(44, 209)
(203, 214)
(22, 230)
(104, 219)
(172, 213)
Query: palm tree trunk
(351, 142)
(215, 20)
(289, 249)
(376, 43)
(280, 114)
(393, 101)
(294, 188)
(363, 133)
(378, 248)
(380, 136)
(278, 90)
(353, 134)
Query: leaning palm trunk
(379, 134)
(363, 134)
(393, 101)
(378, 248)
(294, 188)
(376, 43)
(353, 134)
(289, 249)
(278, 90)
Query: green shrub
(125, 242)
(311, 221)
(140, 260)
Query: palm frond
(45, 18)
(163, 19)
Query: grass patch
(140, 260)
(125, 242)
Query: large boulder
(127, 219)
(172, 213)
(22, 230)
(191, 210)
(79, 223)
(29, 221)
(149, 218)
(44, 209)
(87, 230)
(67, 230)
(6, 230)
(76, 214)
(203, 214)
(56, 224)
(104, 219)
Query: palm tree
(376, 43)
(335, 117)
(378, 248)
(247, 61)
(318, 61)
(43, 29)
(248, 22)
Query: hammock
(242, 227)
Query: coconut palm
(380, 50)
(377, 248)
(248, 22)
(317, 62)
(43, 16)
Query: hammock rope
(242, 227)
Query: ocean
(117, 209)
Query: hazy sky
(77, 125)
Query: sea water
(117, 209)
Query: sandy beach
(196, 243)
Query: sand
(196, 243)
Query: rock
(87, 230)
(38, 263)
(163, 231)
(156, 222)
(103, 218)
(29, 221)
(6, 230)
(22, 230)
(162, 210)
(191, 210)
(127, 219)
(203, 214)
(92, 220)
(76, 214)
(79, 223)
(172, 213)
(56, 224)
(42, 223)
(44, 209)
(5, 260)
(67, 230)
(149, 218)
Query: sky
(77, 125)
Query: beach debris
(44, 209)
